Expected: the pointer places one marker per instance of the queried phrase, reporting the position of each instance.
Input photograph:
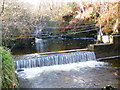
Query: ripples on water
(90, 74)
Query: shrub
(9, 77)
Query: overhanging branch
(2, 8)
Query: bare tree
(2, 10)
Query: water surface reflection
(54, 44)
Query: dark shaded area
(53, 44)
(20, 42)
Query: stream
(85, 74)
(90, 74)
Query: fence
(71, 31)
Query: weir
(56, 59)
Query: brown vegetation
(19, 19)
(104, 14)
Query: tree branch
(2, 7)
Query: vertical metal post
(99, 36)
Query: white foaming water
(57, 59)
(30, 73)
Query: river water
(54, 44)
(88, 74)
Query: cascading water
(39, 44)
(56, 59)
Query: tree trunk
(2, 10)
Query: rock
(19, 70)
(108, 87)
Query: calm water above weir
(54, 44)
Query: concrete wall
(107, 50)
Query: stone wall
(107, 50)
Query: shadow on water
(114, 65)
(113, 62)
(54, 44)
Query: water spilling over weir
(56, 59)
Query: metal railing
(72, 30)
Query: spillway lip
(107, 58)
(35, 55)
(64, 51)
